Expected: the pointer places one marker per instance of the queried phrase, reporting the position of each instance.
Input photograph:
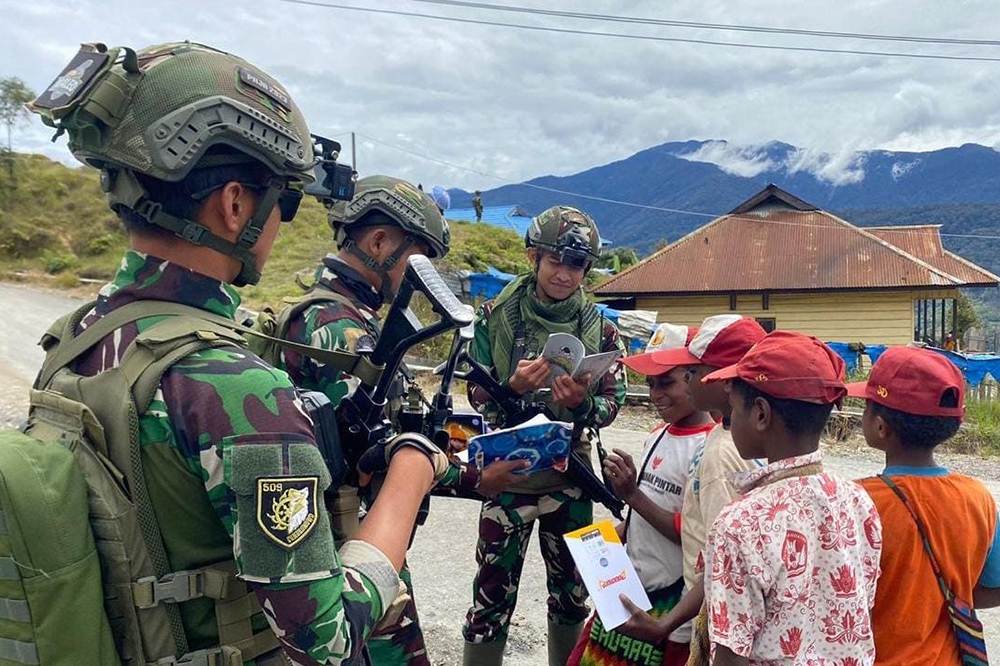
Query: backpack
(84, 577)
(274, 327)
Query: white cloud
(746, 161)
(900, 169)
(843, 168)
(521, 104)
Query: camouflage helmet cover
(563, 227)
(411, 209)
(157, 111)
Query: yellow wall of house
(873, 317)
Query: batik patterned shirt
(791, 569)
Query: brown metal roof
(777, 247)
(924, 242)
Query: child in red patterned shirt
(791, 565)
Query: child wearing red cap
(914, 402)
(654, 495)
(721, 341)
(791, 565)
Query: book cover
(544, 443)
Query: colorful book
(544, 443)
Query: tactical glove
(377, 458)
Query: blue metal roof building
(514, 218)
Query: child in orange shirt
(914, 403)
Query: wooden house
(793, 266)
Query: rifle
(514, 410)
(361, 416)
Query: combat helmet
(567, 232)
(159, 110)
(390, 201)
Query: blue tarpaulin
(874, 351)
(974, 367)
(851, 357)
(488, 284)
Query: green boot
(562, 640)
(484, 654)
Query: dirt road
(443, 554)
(27, 315)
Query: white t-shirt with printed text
(666, 460)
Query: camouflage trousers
(401, 643)
(505, 525)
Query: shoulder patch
(287, 508)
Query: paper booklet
(606, 571)
(567, 356)
(544, 443)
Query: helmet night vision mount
(334, 181)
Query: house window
(767, 323)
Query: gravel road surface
(443, 554)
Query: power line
(631, 204)
(648, 38)
(613, 18)
(531, 185)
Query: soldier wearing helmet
(203, 156)
(511, 331)
(375, 232)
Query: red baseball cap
(665, 337)
(914, 381)
(792, 366)
(722, 340)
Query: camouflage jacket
(335, 325)
(214, 409)
(598, 410)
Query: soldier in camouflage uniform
(477, 204)
(510, 333)
(387, 220)
(200, 154)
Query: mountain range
(712, 177)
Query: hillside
(712, 177)
(55, 225)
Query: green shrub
(57, 263)
(101, 244)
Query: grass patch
(54, 220)
(981, 431)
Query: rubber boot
(484, 654)
(562, 640)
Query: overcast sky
(518, 104)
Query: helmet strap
(198, 234)
(380, 268)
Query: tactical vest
(512, 340)
(189, 612)
(276, 326)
